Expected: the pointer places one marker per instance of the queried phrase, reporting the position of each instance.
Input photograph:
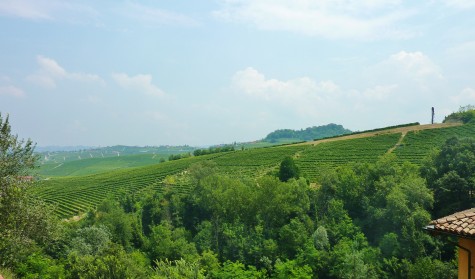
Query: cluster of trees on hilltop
(362, 221)
(310, 133)
(464, 115)
(212, 150)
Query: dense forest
(360, 221)
(310, 133)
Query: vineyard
(317, 159)
(76, 195)
(254, 162)
(418, 144)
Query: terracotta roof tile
(461, 223)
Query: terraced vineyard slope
(417, 144)
(75, 195)
(317, 159)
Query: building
(462, 226)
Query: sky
(101, 73)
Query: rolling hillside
(103, 159)
(75, 195)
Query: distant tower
(432, 115)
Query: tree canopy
(311, 133)
(288, 169)
(464, 114)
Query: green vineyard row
(76, 195)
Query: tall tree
(288, 169)
(24, 221)
(450, 175)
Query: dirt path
(403, 130)
(55, 168)
(397, 143)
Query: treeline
(464, 115)
(212, 150)
(308, 133)
(200, 152)
(375, 130)
(173, 157)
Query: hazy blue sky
(209, 72)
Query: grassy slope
(98, 165)
(76, 194)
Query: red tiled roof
(461, 223)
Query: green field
(98, 165)
(75, 195)
(104, 159)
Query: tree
(288, 169)
(178, 269)
(465, 114)
(449, 173)
(25, 221)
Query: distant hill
(310, 133)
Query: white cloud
(301, 96)
(50, 71)
(142, 83)
(466, 96)
(415, 63)
(379, 92)
(460, 4)
(25, 9)
(154, 16)
(307, 100)
(413, 70)
(46, 10)
(13, 91)
(464, 50)
(355, 19)
(254, 83)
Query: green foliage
(16, 156)
(173, 157)
(288, 169)
(221, 216)
(212, 150)
(427, 268)
(465, 115)
(40, 266)
(353, 258)
(166, 242)
(26, 223)
(320, 238)
(178, 269)
(308, 134)
(112, 262)
(90, 240)
(7, 273)
(291, 269)
(237, 270)
(449, 174)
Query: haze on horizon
(179, 72)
